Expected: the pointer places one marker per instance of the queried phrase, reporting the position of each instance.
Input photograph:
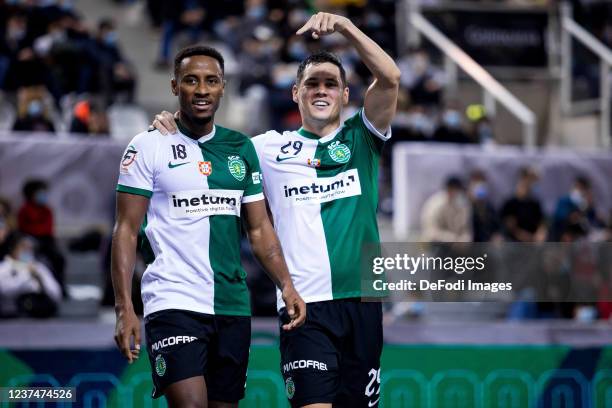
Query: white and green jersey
(191, 233)
(323, 195)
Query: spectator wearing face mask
(27, 287)
(576, 208)
(115, 74)
(485, 222)
(446, 215)
(522, 215)
(35, 218)
(32, 112)
(451, 129)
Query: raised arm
(131, 210)
(267, 249)
(381, 97)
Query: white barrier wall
(420, 169)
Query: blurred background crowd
(64, 72)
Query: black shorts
(335, 356)
(184, 344)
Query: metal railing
(493, 91)
(569, 29)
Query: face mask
(485, 133)
(35, 109)
(374, 21)
(480, 191)
(16, 34)
(40, 198)
(421, 123)
(578, 199)
(26, 256)
(110, 38)
(452, 119)
(297, 50)
(66, 5)
(535, 191)
(257, 12)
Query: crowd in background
(53, 65)
(462, 211)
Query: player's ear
(345, 95)
(294, 93)
(223, 87)
(174, 86)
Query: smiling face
(320, 95)
(199, 85)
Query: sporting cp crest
(339, 152)
(236, 167)
(160, 365)
(290, 388)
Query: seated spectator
(575, 208)
(179, 15)
(451, 129)
(485, 222)
(89, 119)
(35, 218)
(423, 80)
(27, 287)
(481, 128)
(522, 216)
(446, 215)
(32, 113)
(115, 74)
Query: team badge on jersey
(128, 158)
(205, 167)
(160, 365)
(314, 162)
(290, 388)
(236, 167)
(339, 152)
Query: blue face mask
(421, 123)
(26, 256)
(485, 133)
(452, 119)
(480, 191)
(35, 108)
(257, 12)
(578, 199)
(297, 50)
(110, 38)
(41, 198)
(66, 5)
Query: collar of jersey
(327, 138)
(194, 137)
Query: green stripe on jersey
(148, 256)
(231, 292)
(349, 223)
(133, 190)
